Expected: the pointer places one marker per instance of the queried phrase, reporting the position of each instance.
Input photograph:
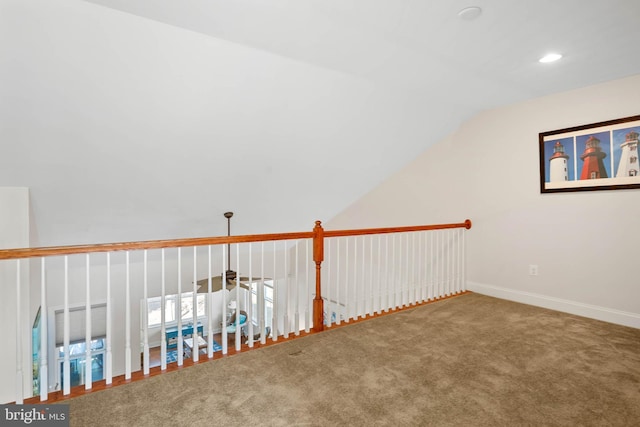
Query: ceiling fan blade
(216, 285)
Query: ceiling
(328, 99)
(425, 46)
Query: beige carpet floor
(471, 360)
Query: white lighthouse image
(629, 157)
(558, 164)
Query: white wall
(14, 233)
(584, 243)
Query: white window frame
(268, 300)
(154, 316)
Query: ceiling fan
(231, 276)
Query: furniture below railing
(103, 309)
(171, 334)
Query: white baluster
(395, 272)
(287, 293)
(224, 299)
(460, 266)
(387, 286)
(296, 289)
(250, 308)
(209, 306)
(379, 275)
(338, 301)
(145, 316)
(195, 348)
(238, 305)
(66, 365)
(452, 261)
(88, 380)
(19, 379)
(127, 317)
(434, 263)
(308, 299)
(432, 257)
(274, 321)
(414, 252)
(424, 266)
(463, 260)
(260, 292)
(456, 260)
(361, 307)
(410, 269)
(371, 291)
(347, 271)
(163, 320)
(326, 279)
(406, 291)
(445, 261)
(109, 362)
(419, 258)
(440, 271)
(425, 262)
(44, 367)
(180, 338)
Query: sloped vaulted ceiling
(147, 119)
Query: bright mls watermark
(34, 415)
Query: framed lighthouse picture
(599, 156)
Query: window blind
(77, 325)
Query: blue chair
(242, 323)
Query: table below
(171, 334)
(202, 343)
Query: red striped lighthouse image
(593, 167)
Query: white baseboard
(618, 317)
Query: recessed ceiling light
(550, 57)
(469, 13)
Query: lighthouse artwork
(599, 156)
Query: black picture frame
(597, 156)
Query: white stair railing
(364, 272)
(371, 274)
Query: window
(154, 306)
(77, 344)
(268, 302)
(77, 362)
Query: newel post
(318, 257)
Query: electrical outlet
(533, 270)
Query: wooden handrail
(200, 241)
(149, 244)
(361, 232)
